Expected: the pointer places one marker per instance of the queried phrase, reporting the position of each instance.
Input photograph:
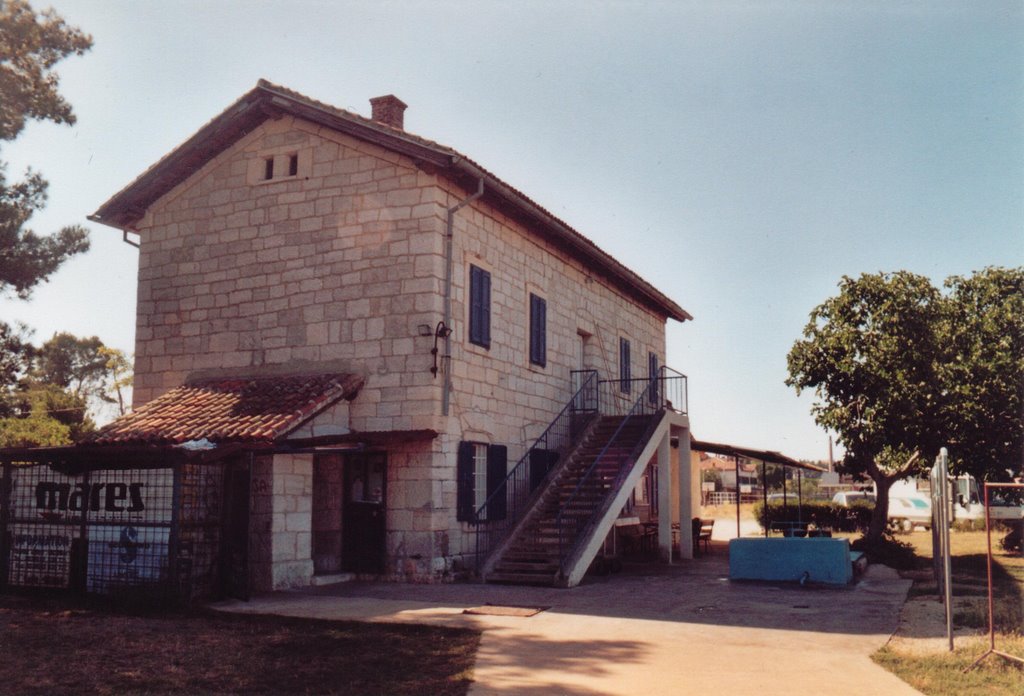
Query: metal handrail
(517, 488)
(647, 403)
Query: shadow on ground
(694, 591)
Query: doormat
(504, 610)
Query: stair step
(526, 567)
(522, 578)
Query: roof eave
(125, 208)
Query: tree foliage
(31, 45)
(984, 373)
(899, 369)
(52, 391)
(78, 365)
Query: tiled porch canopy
(241, 409)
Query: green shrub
(836, 517)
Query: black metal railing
(635, 400)
(527, 478)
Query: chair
(702, 533)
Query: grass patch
(941, 673)
(944, 673)
(56, 646)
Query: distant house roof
(267, 101)
(262, 409)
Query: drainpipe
(449, 252)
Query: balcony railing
(636, 399)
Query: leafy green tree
(78, 365)
(47, 415)
(984, 373)
(36, 430)
(119, 377)
(31, 45)
(871, 355)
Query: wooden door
(364, 512)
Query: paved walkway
(649, 630)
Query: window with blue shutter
(479, 307)
(538, 330)
(624, 375)
(481, 471)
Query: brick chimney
(388, 110)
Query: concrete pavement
(684, 629)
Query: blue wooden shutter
(479, 307)
(464, 483)
(497, 470)
(652, 371)
(538, 330)
(624, 365)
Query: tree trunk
(880, 516)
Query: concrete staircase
(533, 555)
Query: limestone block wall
(420, 516)
(498, 395)
(339, 262)
(497, 391)
(281, 522)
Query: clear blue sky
(742, 156)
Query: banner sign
(40, 556)
(111, 495)
(124, 556)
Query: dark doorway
(363, 512)
(328, 486)
(235, 547)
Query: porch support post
(687, 483)
(665, 498)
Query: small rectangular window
(268, 168)
(293, 165)
(479, 307)
(624, 375)
(538, 330)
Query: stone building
(373, 331)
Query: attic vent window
(276, 165)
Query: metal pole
(946, 551)
(736, 459)
(764, 493)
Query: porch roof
(767, 456)
(238, 409)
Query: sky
(740, 156)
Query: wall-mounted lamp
(441, 331)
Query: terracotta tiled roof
(231, 410)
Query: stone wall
(340, 262)
(281, 522)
